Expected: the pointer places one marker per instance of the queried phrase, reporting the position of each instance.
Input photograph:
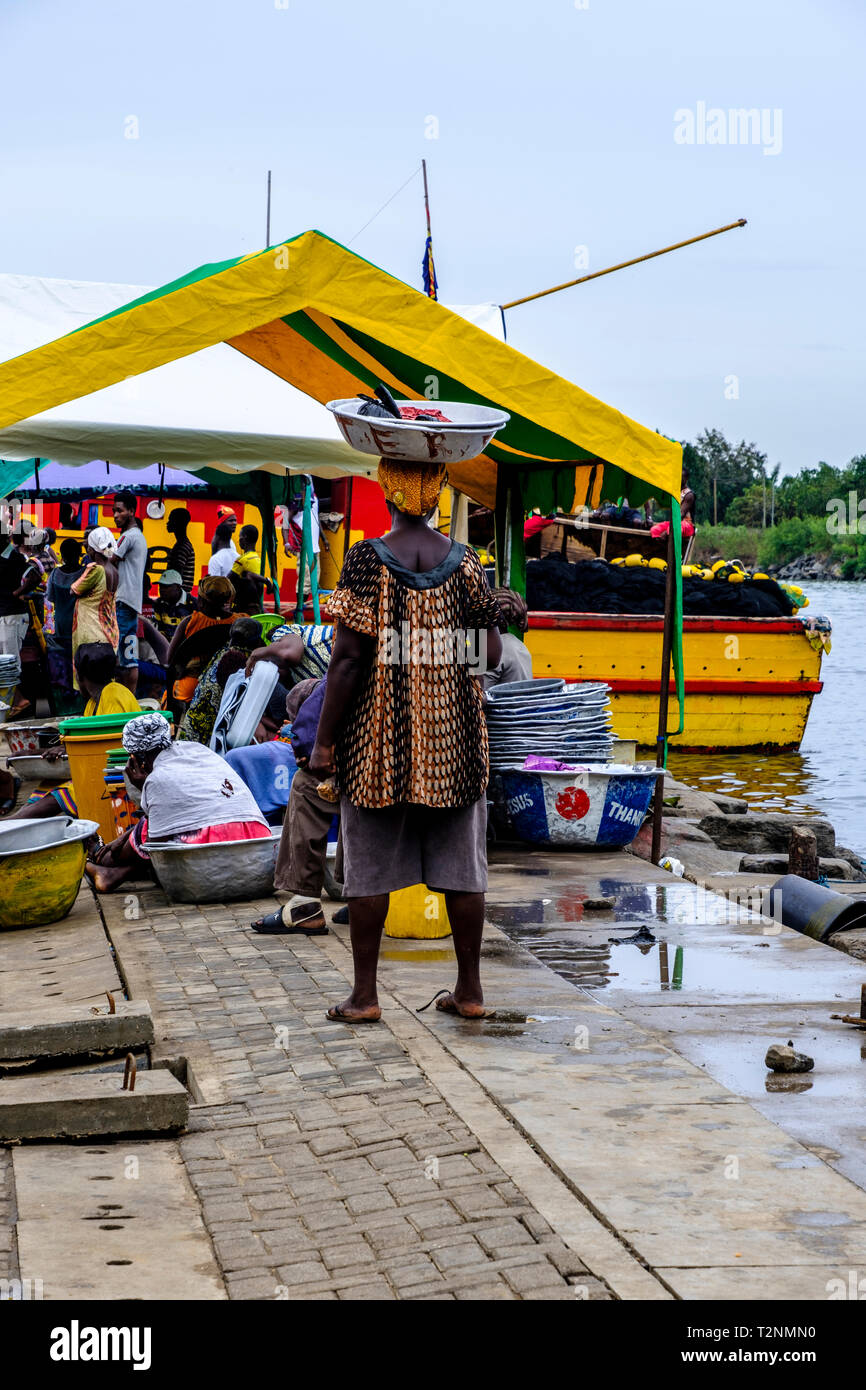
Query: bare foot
(105, 879)
(347, 1012)
(463, 1008)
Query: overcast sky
(559, 136)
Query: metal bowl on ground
(28, 735)
(468, 431)
(32, 767)
(597, 806)
(41, 868)
(224, 872)
(510, 690)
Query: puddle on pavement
(776, 1083)
(740, 967)
(677, 903)
(600, 953)
(733, 968)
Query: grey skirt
(398, 846)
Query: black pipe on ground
(814, 910)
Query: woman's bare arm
(157, 641)
(176, 640)
(285, 653)
(351, 658)
(494, 647)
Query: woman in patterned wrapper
(402, 728)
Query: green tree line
(746, 509)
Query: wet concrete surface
(824, 1108)
(719, 1201)
(637, 1069)
(719, 984)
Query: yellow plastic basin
(40, 881)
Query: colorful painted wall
(369, 517)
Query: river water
(827, 776)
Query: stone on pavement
(782, 1057)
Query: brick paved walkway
(331, 1167)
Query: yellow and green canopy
(331, 324)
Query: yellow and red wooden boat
(749, 682)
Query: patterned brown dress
(416, 733)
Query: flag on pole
(428, 269)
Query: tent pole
(664, 691)
(347, 531)
(517, 556)
(264, 501)
(313, 554)
(302, 569)
(508, 524)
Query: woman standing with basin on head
(402, 727)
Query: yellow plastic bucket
(88, 757)
(417, 912)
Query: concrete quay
(611, 1134)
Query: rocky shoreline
(810, 568)
(711, 833)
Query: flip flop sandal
(273, 925)
(455, 1012)
(336, 1015)
(11, 801)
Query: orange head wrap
(412, 487)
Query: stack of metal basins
(549, 719)
(10, 675)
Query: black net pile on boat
(556, 585)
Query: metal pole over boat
(664, 692)
(622, 265)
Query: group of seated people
(192, 793)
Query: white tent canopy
(213, 409)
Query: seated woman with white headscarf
(188, 793)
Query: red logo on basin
(572, 804)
